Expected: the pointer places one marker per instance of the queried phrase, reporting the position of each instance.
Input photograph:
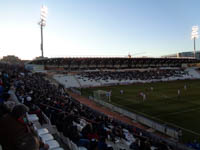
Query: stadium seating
(74, 64)
(73, 119)
(86, 82)
(42, 131)
(46, 137)
(99, 78)
(68, 80)
(57, 148)
(53, 144)
(32, 118)
(44, 134)
(89, 79)
(193, 73)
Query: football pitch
(162, 103)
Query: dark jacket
(11, 131)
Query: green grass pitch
(162, 103)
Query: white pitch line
(179, 112)
(168, 123)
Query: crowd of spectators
(81, 124)
(133, 75)
(16, 132)
(112, 63)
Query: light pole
(42, 23)
(195, 35)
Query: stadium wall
(159, 127)
(141, 119)
(35, 68)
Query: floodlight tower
(42, 23)
(195, 35)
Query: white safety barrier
(46, 137)
(141, 119)
(53, 144)
(42, 131)
(32, 118)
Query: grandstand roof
(112, 61)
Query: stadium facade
(189, 54)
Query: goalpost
(102, 95)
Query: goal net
(102, 95)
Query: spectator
(66, 113)
(15, 125)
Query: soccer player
(110, 92)
(179, 93)
(151, 88)
(144, 97)
(141, 94)
(185, 87)
(107, 94)
(121, 92)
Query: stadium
(161, 112)
(83, 92)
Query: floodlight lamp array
(43, 15)
(195, 33)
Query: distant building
(11, 59)
(183, 55)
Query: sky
(98, 28)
